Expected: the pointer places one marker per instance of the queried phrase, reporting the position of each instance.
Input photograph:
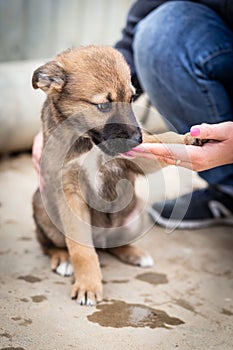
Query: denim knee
(177, 49)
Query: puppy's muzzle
(121, 137)
(120, 133)
(116, 138)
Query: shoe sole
(188, 224)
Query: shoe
(202, 208)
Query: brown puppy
(88, 124)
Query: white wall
(31, 29)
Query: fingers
(163, 151)
(148, 149)
(36, 163)
(36, 156)
(214, 153)
(176, 162)
(170, 154)
(216, 132)
(37, 150)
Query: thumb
(216, 132)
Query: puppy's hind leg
(60, 261)
(132, 255)
(59, 257)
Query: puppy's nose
(136, 138)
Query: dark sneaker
(202, 208)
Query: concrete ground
(184, 302)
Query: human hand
(36, 155)
(37, 150)
(218, 151)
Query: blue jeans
(183, 54)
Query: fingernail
(194, 131)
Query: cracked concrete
(185, 301)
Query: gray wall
(31, 29)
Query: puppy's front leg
(87, 288)
(170, 137)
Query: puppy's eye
(104, 107)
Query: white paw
(146, 261)
(65, 269)
(90, 302)
(84, 301)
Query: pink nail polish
(195, 131)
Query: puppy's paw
(190, 140)
(145, 261)
(141, 258)
(132, 255)
(60, 261)
(65, 268)
(87, 291)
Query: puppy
(88, 125)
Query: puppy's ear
(50, 78)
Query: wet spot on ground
(226, 312)
(6, 335)
(38, 298)
(153, 278)
(115, 281)
(132, 315)
(24, 238)
(29, 278)
(12, 348)
(22, 321)
(184, 304)
(4, 252)
(24, 300)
